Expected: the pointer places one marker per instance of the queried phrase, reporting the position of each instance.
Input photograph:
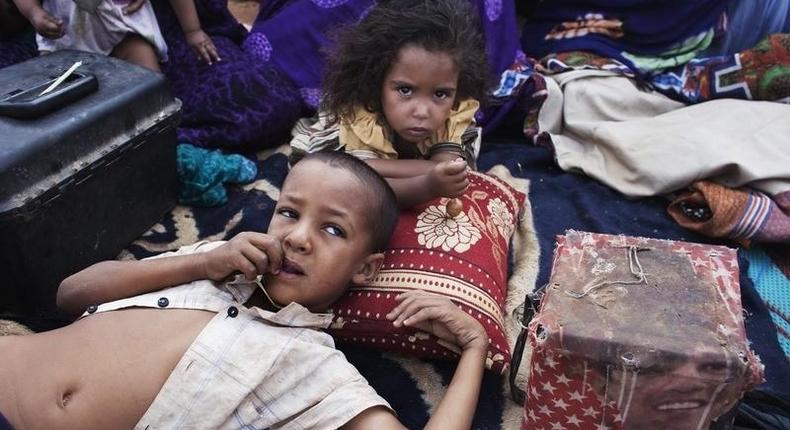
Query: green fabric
(680, 54)
(203, 174)
(774, 288)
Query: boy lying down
(176, 341)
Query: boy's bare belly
(102, 372)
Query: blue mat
(774, 289)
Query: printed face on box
(679, 393)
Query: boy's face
(418, 93)
(322, 220)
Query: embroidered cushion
(463, 257)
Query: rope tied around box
(633, 264)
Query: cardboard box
(636, 333)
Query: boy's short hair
(384, 204)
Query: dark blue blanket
(560, 201)
(611, 27)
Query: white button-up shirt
(250, 368)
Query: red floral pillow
(462, 257)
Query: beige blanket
(643, 143)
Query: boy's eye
(404, 90)
(288, 213)
(335, 231)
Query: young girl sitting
(126, 29)
(401, 93)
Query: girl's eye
(288, 213)
(335, 231)
(404, 91)
(441, 95)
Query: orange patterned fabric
(462, 257)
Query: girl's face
(418, 92)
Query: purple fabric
(237, 103)
(17, 48)
(501, 32)
(293, 33)
(4, 424)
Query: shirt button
(233, 311)
(162, 302)
(92, 308)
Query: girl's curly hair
(364, 53)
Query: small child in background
(401, 92)
(125, 29)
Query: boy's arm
(249, 253)
(417, 181)
(438, 315)
(44, 23)
(200, 42)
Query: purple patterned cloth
(292, 35)
(18, 47)
(238, 103)
(17, 39)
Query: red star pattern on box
(558, 399)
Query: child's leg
(134, 49)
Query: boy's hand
(203, 46)
(46, 24)
(448, 178)
(250, 253)
(439, 316)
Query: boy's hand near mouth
(250, 253)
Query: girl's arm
(44, 23)
(438, 315)
(249, 253)
(196, 38)
(417, 181)
(411, 191)
(401, 168)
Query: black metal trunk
(83, 171)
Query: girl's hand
(46, 24)
(439, 316)
(203, 46)
(250, 253)
(448, 178)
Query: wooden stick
(454, 207)
(62, 78)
